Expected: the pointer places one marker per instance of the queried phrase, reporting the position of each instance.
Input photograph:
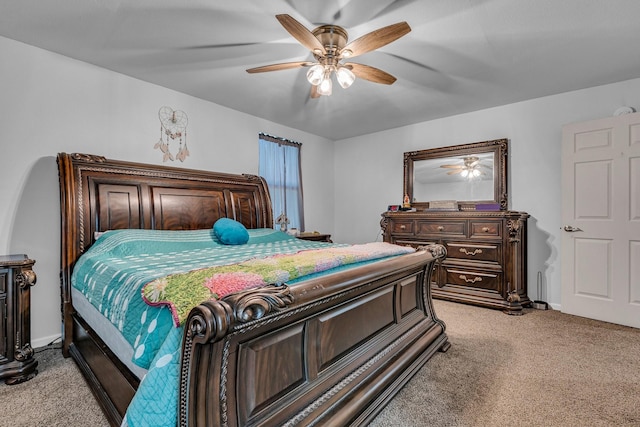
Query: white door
(601, 219)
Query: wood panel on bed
(326, 351)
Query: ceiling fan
(470, 167)
(329, 46)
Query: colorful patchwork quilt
(182, 292)
(114, 271)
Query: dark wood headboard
(97, 194)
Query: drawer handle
(402, 227)
(440, 228)
(474, 280)
(475, 252)
(485, 229)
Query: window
(280, 167)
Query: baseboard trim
(45, 341)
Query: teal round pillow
(230, 232)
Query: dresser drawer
(473, 279)
(445, 228)
(485, 229)
(404, 227)
(473, 251)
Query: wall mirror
(471, 174)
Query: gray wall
(534, 129)
(52, 104)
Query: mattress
(107, 332)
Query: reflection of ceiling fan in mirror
(470, 167)
(328, 43)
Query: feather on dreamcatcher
(173, 125)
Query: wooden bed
(331, 350)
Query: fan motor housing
(332, 37)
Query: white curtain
(280, 167)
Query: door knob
(571, 229)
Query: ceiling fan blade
(302, 34)
(314, 92)
(371, 74)
(215, 46)
(278, 67)
(452, 166)
(454, 172)
(377, 39)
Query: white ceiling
(461, 55)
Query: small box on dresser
(486, 262)
(17, 363)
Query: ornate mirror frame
(500, 150)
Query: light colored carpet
(544, 368)
(57, 396)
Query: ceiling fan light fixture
(325, 87)
(329, 44)
(345, 77)
(315, 74)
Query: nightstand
(316, 237)
(17, 363)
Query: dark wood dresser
(17, 363)
(486, 261)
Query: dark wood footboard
(328, 351)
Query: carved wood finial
(514, 226)
(256, 303)
(26, 278)
(251, 177)
(209, 321)
(384, 222)
(438, 251)
(212, 320)
(504, 201)
(89, 157)
(23, 353)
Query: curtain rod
(279, 140)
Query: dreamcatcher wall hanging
(173, 126)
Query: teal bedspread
(112, 273)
